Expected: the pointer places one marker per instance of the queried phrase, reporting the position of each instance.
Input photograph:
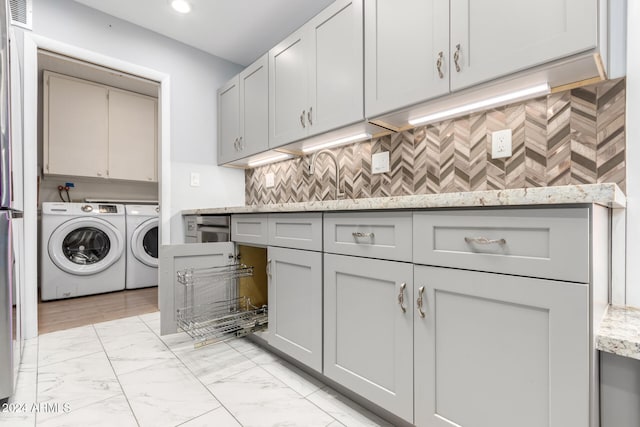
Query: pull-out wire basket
(212, 311)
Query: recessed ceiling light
(181, 6)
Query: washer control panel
(108, 208)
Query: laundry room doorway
(65, 291)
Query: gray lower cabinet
(495, 350)
(295, 304)
(368, 329)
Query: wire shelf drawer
(212, 311)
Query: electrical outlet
(269, 180)
(501, 144)
(380, 162)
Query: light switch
(380, 162)
(195, 179)
(269, 180)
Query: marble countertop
(605, 194)
(620, 332)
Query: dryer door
(84, 246)
(144, 242)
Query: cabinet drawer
(298, 231)
(249, 228)
(547, 243)
(385, 235)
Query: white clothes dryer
(82, 249)
(142, 246)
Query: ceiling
(236, 30)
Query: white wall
(195, 77)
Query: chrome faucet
(312, 168)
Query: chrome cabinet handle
(268, 268)
(485, 241)
(456, 57)
(357, 234)
(401, 297)
(419, 302)
(439, 64)
(235, 144)
(240, 144)
(309, 116)
(302, 119)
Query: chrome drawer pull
(360, 234)
(485, 241)
(302, 119)
(401, 297)
(456, 57)
(439, 64)
(419, 302)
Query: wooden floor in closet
(70, 313)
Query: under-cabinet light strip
(541, 89)
(270, 159)
(345, 140)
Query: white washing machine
(82, 249)
(142, 246)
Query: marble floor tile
(152, 320)
(218, 417)
(345, 410)
(253, 351)
(57, 346)
(130, 345)
(114, 411)
(30, 355)
(293, 377)
(18, 420)
(213, 362)
(177, 341)
(78, 382)
(166, 394)
(256, 398)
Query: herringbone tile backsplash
(572, 137)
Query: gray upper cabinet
(228, 121)
(498, 37)
(495, 350)
(316, 75)
(288, 86)
(243, 113)
(444, 46)
(402, 59)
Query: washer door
(144, 242)
(84, 246)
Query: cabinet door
(368, 337)
(76, 128)
(173, 258)
(403, 41)
(335, 67)
(254, 108)
(229, 121)
(499, 37)
(133, 124)
(496, 350)
(288, 90)
(295, 304)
